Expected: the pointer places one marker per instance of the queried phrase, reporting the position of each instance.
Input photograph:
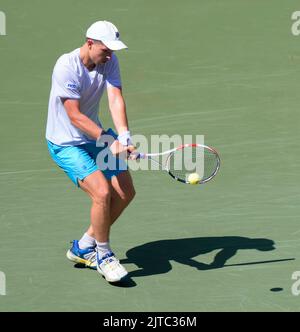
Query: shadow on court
(154, 257)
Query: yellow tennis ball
(194, 178)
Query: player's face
(99, 53)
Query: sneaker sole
(79, 260)
(110, 280)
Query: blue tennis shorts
(79, 161)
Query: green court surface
(226, 69)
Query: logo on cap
(117, 34)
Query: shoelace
(111, 262)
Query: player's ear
(90, 42)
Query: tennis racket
(188, 163)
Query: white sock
(103, 248)
(86, 241)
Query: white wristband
(125, 138)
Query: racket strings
(190, 160)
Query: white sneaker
(83, 256)
(109, 266)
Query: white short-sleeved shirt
(71, 79)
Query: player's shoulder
(69, 61)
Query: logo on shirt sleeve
(71, 86)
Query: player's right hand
(119, 150)
(132, 153)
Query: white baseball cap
(107, 33)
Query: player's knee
(101, 196)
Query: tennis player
(75, 138)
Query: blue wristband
(110, 132)
(104, 139)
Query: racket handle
(139, 155)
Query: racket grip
(138, 155)
(135, 155)
(141, 156)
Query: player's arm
(117, 108)
(116, 102)
(81, 121)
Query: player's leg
(78, 164)
(122, 193)
(97, 185)
(122, 189)
(99, 190)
